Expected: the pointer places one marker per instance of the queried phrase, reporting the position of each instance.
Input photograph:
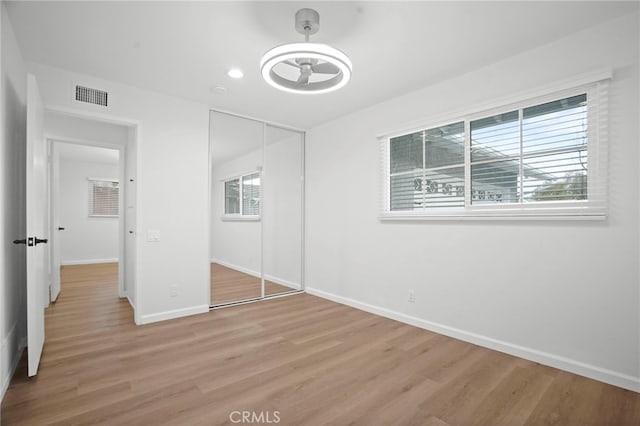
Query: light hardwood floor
(230, 285)
(313, 361)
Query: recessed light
(235, 73)
(218, 89)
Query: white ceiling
(184, 48)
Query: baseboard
(283, 282)
(136, 318)
(176, 313)
(7, 370)
(591, 371)
(256, 274)
(54, 297)
(22, 345)
(87, 261)
(237, 268)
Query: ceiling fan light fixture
(298, 53)
(307, 68)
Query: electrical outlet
(173, 291)
(412, 296)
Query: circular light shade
(281, 68)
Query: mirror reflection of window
(248, 192)
(232, 197)
(251, 195)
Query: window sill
(496, 216)
(240, 218)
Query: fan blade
(303, 79)
(325, 68)
(292, 63)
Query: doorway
(85, 212)
(92, 204)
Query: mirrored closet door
(236, 174)
(282, 220)
(257, 194)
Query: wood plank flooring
(312, 361)
(230, 285)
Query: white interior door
(37, 285)
(55, 224)
(129, 228)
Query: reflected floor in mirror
(229, 285)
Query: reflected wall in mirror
(283, 210)
(236, 208)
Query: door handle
(60, 228)
(27, 241)
(31, 241)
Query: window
(427, 168)
(103, 197)
(532, 154)
(543, 157)
(242, 196)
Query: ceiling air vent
(91, 96)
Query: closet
(257, 209)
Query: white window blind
(103, 197)
(427, 168)
(251, 194)
(242, 196)
(541, 157)
(532, 154)
(232, 196)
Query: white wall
(171, 189)
(12, 203)
(85, 239)
(576, 306)
(59, 125)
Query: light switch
(153, 235)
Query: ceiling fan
(306, 67)
(309, 66)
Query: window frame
(240, 217)
(91, 184)
(593, 208)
